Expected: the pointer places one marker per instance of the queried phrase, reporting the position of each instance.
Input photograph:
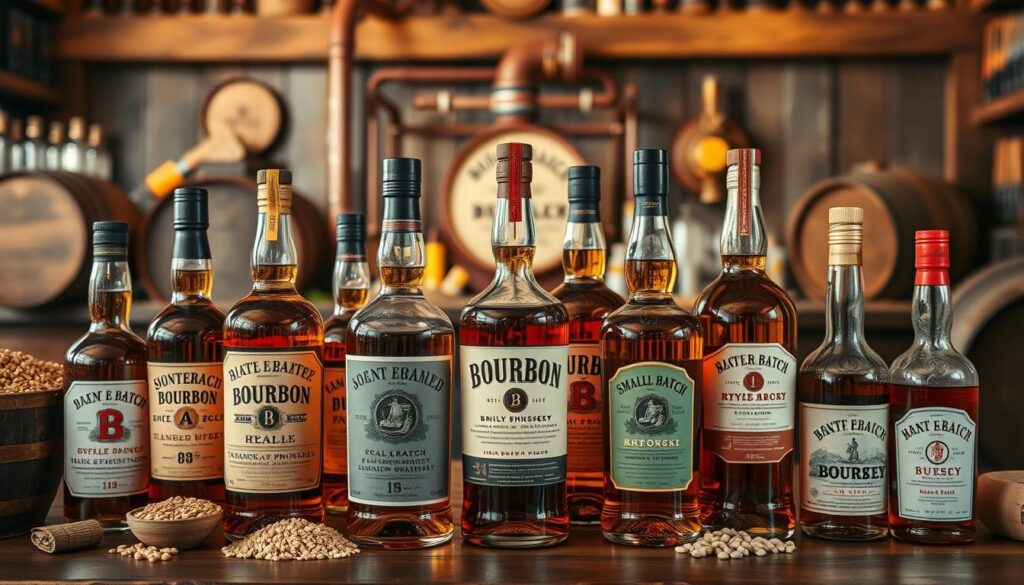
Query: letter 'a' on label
(935, 453)
(585, 435)
(843, 453)
(335, 422)
(750, 402)
(514, 415)
(651, 418)
(272, 419)
(106, 438)
(399, 429)
(186, 414)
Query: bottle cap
(584, 183)
(191, 208)
(845, 236)
(650, 171)
(110, 240)
(734, 156)
(284, 176)
(514, 172)
(351, 227)
(76, 128)
(400, 177)
(931, 257)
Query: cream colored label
(272, 420)
(186, 421)
(335, 429)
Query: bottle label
(514, 415)
(399, 436)
(335, 422)
(272, 415)
(750, 402)
(935, 454)
(585, 439)
(843, 455)
(186, 421)
(651, 418)
(106, 438)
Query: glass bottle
(55, 139)
(34, 147)
(97, 156)
(844, 405)
(73, 151)
(933, 413)
(5, 144)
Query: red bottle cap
(931, 257)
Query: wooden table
(585, 558)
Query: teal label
(399, 419)
(651, 418)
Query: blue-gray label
(399, 418)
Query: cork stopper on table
(67, 537)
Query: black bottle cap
(650, 171)
(110, 239)
(584, 183)
(191, 208)
(351, 227)
(284, 176)
(400, 177)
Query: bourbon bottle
(588, 302)
(652, 356)
(399, 379)
(186, 386)
(105, 398)
(844, 405)
(514, 340)
(933, 413)
(273, 376)
(749, 373)
(351, 290)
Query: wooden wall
(813, 119)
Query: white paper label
(186, 414)
(843, 458)
(106, 438)
(935, 453)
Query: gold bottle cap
(56, 135)
(274, 198)
(845, 236)
(95, 135)
(34, 127)
(76, 128)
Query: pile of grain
(20, 372)
(178, 508)
(141, 552)
(293, 539)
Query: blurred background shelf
(55, 7)
(994, 5)
(26, 90)
(480, 36)
(1000, 109)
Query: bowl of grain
(175, 522)
(31, 439)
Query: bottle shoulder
(336, 326)
(850, 361)
(270, 308)
(400, 315)
(656, 318)
(590, 299)
(176, 323)
(933, 367)
(107, 346)
(744, 295)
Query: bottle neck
(274, 258)
(513, 243)
(844, 304)
(110, 294)
(191, 267)
(402, 253)
(650, 258)
(932, 316)
(744, 240)
(584, 252)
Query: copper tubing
(606, 96)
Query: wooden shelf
(995, 5)
(55, 7)
(1000, 109)
(26, 90)
(205, 38)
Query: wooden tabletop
(585, 558)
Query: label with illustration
(585, 438)
(106, 438)
(651, 418)
(935, 454)
(335, 424)
(186, 421)
(399, 412)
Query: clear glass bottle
(351, 291)
(34, 147)
(589, 302)
(105, 397)
(55, 140)
(5, 144)
(97, 156)
(652, 351)
(844, 405)
(514, 339)
(73, 151)
(400, 360)
(17, 148)
(933, 413)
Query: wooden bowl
(31, 438)
(180, 534)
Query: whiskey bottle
(844, 405)
(588, 302)
(273, 376)
(186, 387)
(400, 360)
(105, 398)
(351, 290)
(933, 413)
(749, 373)
(514, 339)
(652, 356)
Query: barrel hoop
(24, 505)
(29, 451)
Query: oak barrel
(31, 436)
(988, 313)
(896, 203)
(233, 217)
(45, 219)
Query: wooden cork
(67, 537)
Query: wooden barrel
(988, 317)
(31, 436)
(232, 231)
(45, 219)
(896, 203)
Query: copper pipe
(391, 148)
(470, 128)
(606, 96)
